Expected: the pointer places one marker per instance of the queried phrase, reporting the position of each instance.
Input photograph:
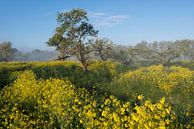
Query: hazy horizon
(29, 24)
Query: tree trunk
(85, 68)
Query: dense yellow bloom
(163, 78)
(174, 83)
(55, 103)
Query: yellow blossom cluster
(174, 83)
(55, 103)
(166, 79)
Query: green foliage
(98, 73)
(7, 69)
(71, 36)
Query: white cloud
(96, 14)
(100, 19)
(48, 14)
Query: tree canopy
(72, 36)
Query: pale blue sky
(28, 24)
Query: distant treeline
(142, 54)
(148, 53)
(8, 53)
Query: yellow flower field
(156, 97)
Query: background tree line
(143, 53)
(8, 53)
(163, 52)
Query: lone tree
(103, 48)
(73, 35)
